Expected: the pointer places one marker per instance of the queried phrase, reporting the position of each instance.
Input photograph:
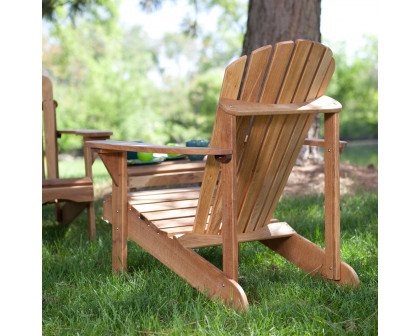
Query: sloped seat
(172, 212)
(265, 111)
(169, 211)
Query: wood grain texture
(54, 189)
(230, 89)
(175, 166)
(229, 202)
(67, 182)
(50, 128)
(74, 194)
(270, 231)
(322, 104)
(262, 123)
(310, 258)
(165, 179)
(90, 133)
(128, 146)
(332, 196)
(116, 164)
(197, 271)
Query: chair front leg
(229, 206)
(116, 164)
(332, 196)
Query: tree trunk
(272, 21)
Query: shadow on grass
(51, 231)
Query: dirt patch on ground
(309, 180)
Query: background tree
(272, 21)
(102, 70)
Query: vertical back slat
(276, 135)
(315, 75)
(266, 146)
(230, 89)
(258, 132)
(50, 128)
(250, 90)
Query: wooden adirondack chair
(76, 192)
(263, 116)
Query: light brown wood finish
(77, 193)
(321, 143)
(50, 127)
(250, 91)
(165, 179)
(310, 258)
(230, 89)
(302, 70)
(322, 104)
(116, 163)
(171, 173)
(229, 205)
(150, 148)
(68, 193)
(260, 146)
(270, 231)
(332, 196)
(189, 265)
(273, 132)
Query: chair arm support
(322, 104)
(125, 146)
(321, 143)
(86, 133)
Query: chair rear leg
(58, 213)
(91, 221)
(310, 258)
(190, 266)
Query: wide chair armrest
(127, 146)
(322, 104)
(86, 133)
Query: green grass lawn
(81, 296)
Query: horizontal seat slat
(167, 224)
(167, 197)
(162, 206)
(83, 193)
(166, 167)
(273, 230)
(172, 178)
(67, 182)
(169, 214)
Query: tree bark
(272, 21)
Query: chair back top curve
(50, 130)
(266, 146)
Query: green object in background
(197, 143)
(145, 156)
(173, 144)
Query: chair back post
(50, 128)
(332, 195)
(229, 200)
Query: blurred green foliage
(113, 78)
(355, 85)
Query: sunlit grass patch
(82, 296)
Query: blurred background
(152, 70)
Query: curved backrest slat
(266, 146)
(230, 89)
